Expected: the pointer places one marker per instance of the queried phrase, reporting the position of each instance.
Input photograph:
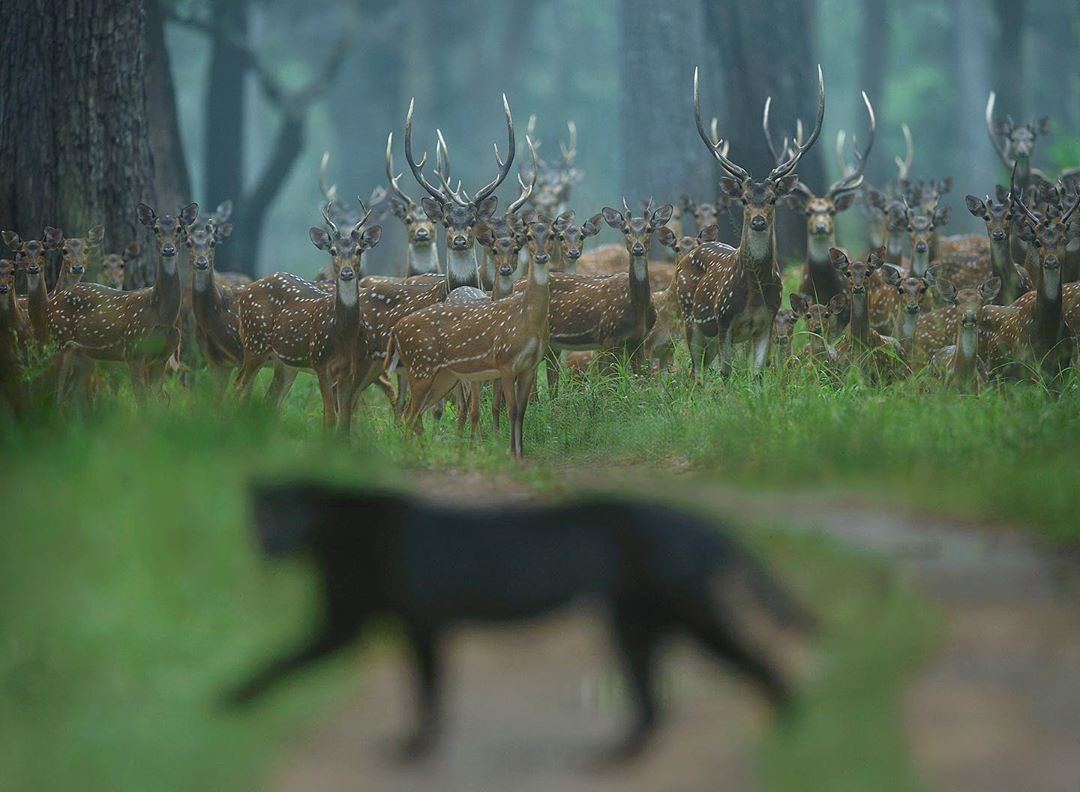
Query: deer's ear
(591, 227)
(796, 202)
(487, 208)
(799, 302)
(368, 238)
(319, 238)
(875, 198)
(614, 218)
(222, 232)
(844, 202)
(146, 215)
(786, 184)
(131, 252)
(54, 238)
(948, 291)
(662, 215)
(96, 234)
(990, 289)
(975, 206)
(398, 208)
(563, 221)
(709, 233)
(224, 211)
(730, 187)
(529, 216)
(189, 214)
(839, 259)
(1001, 192)
(517, 225)
(838, 303)
(432, 208)
(891, 274)
(941, 216)
(11, 239)
(878, 255)
(484, 235)
(945, 186)
(666, 237)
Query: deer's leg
(761, 348)
(699, 354)
(246, 376)
(279, 385)
(329, 398)
(462, 398)
(219, 381)
(402, 394)
(551, 367)
(137, 370)
(523, 384)
(726, 350)
(496, 404)
(474, 410)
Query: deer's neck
(37, 304)
(1001, 265)
(537, 297)
(756, 251)
(907, 324)
(965, 358)
(422, 259)
(859, 329)
(817, 251)
(640, 293)
(894, 247)
(1023, 170)
(347, 316)
(165, 293)
(461, 268)
(1048, 315)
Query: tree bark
(226, 104)
(766, 49)
(170, 164)
(1008, 61)
(874, 46)
(74, 139)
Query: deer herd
(513, 289)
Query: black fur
(434, 566)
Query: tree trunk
(975, 165)
(766, 49)
(74, 139)
(226, 103)
(662, 156)
(874, 48)
(1008, 61)
(170, 165)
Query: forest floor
(996, 704)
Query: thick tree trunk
(975, 165)
(662, 156)
(170, 165)
(226, 104)
(766, 49)
(74, 139)
(1007, 60)
(874, 49)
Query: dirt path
(997, 707)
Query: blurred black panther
(656, 568)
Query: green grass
(132, 595)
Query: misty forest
(647, 333)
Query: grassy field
(132, 595)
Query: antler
(329, 193)
(569, 152)
(418, 169)
(390, 177)
(504, 167)
(854, 179)
(990, 131)
(778, 156)
(733, 170)
(784, 168)
(442, 170)
(903, 166)
(326, 218)
(526, 192)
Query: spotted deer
(823, 325)
(76, 255)
(570, 241)
(739, 293)
(914, 294)
(454, 209)
(15, 335)
(998, 215)
(112, 265)
(422, 253)
(861, 344)
(1036, 336)
(286, 319)
(1015, 144)
(510, 222)
(482, 340)
(819, 277)
(960, 362)
(555, 182)
(669, 310)
(783, 331)
(30, 258)
(139, 328)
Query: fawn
(963, 366)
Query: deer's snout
(573, 253)
(423, 235)
(638, 249)
(541, 258)
(1050, 262)
(168, 250)
(920, 247)
(346, 274)
(998, 235)
(758, 223)
(459, 242)
(202, 263)
(821, 228)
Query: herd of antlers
(513, 289)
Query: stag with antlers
(739, 291)
(454, 209)
(820, 279)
